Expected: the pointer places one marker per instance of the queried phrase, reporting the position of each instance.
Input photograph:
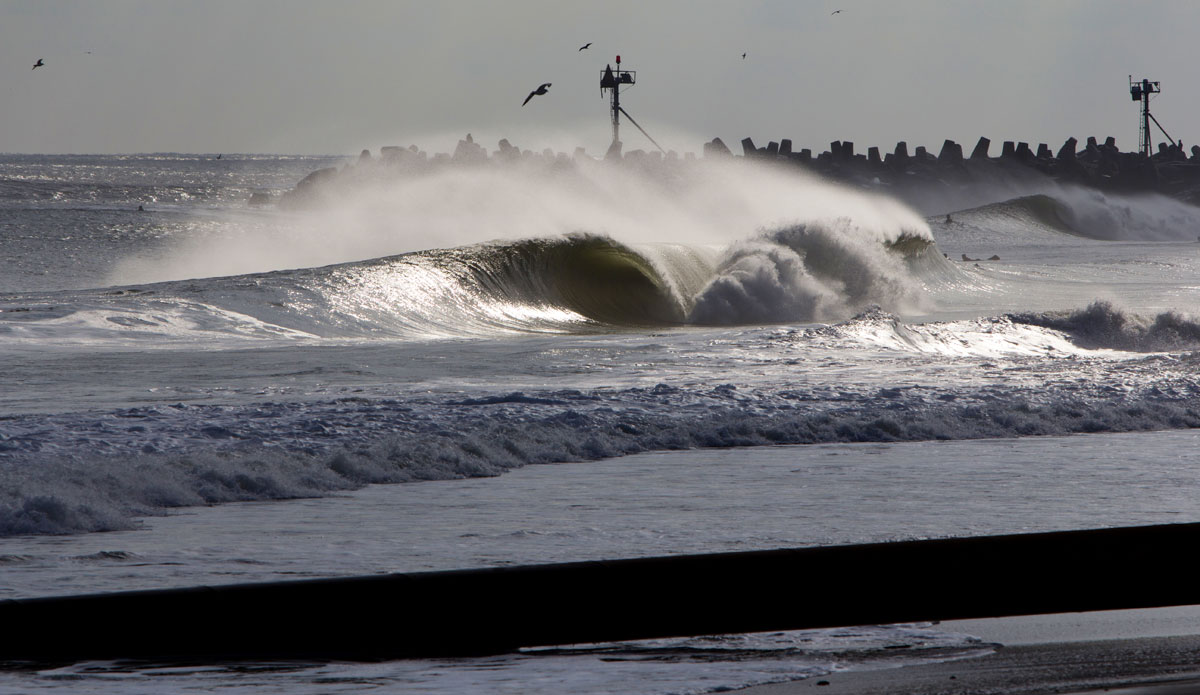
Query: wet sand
(1144, 653)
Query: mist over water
(698, 203)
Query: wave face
(1090, 214)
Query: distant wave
(1092, 214)
(1046, 210)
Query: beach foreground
(1143, 666)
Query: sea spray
(812, 272)
(700, 203)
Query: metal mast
(614, 80)
(1141, 91)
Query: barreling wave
(593, 276)
(578, 282)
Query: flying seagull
(37, 64)
(538, 91)
(835, 12)
(589, 43)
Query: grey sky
(310, 76)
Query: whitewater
(706, 356)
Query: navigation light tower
(1141, 91)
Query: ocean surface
(701, 356)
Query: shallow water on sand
(641, 505)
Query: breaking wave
(572, 283)
(1104, 326)
(1091, 214)
(209, 453)
(812, 272)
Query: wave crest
(1093, 214)
(1103, 326)
(812, 272)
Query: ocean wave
(812, 272)
(574, 283)
(90, 471)
(1090, 214)
(1104, 326)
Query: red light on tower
(618, 60)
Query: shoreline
(1135, 652)
(1138, 666)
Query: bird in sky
(835, 12)
(539, 91)
(589, 43)
(743, 56)
(37, 64)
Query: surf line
(496, 610)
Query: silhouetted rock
(1169, 171)
(1067, 151)
(951, 153)
(716, 148)
(981, 149)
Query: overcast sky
(333, 77)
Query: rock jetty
(907, 175)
